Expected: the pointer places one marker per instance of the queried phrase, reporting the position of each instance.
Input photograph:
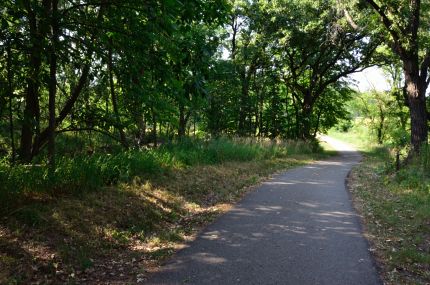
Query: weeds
(129, 227)
(83, 173)
(395, 208)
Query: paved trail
(297, 228)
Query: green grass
(83, 173)
(395, 207)
(150, 203)
(358, 136)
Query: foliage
(384, 115)
(395, 209)
(403, 26)
(142, 73)
(83, 173)
(120, 230)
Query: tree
(98, 66)
(402, 25)
(314, 47)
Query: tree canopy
(144, 72)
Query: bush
(87, 173)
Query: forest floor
(117, 234)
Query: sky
(369, 78)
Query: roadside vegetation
(119, 119)
(394, 205)
(113, 217)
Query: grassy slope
(396, 212)
(118, 233)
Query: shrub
(87, 173)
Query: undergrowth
(160, 199)
(83, 172)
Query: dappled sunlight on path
(296, 228)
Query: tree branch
(424, 68)
(88, 129)
(388, 24)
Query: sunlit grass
(145, 218)
(358, 136)
(395, 208)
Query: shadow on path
(297, 228)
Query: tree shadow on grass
(117, 232)
(71, 238)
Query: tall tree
(404, 25)
(333, 51)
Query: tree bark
(32, 109)
(297, 115)
(242, 106)
(182, 121)
(415, 89)
(113, 96)
(75, 93)
(318, 125)
(10, 94)
(306, 116)
(416, 76)
(53, 83)
(154, 127)
(184, 117)
(141, 122)
(380, 128)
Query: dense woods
(142, 72)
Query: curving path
(297, 228)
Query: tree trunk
(274, 117)
(243, 109)
(142, 130)
(182, 121)
(32, 109)
(380, 131)
(287, 117)
(416, 88)
(75, 93)
(260, 115)
(194, 126)
(306, 122)
(419, 127)
(318, 125)
(53, 83)
(235, 28)
(113, 97)
(184, 117)
(10, 94)
(154, 127)
(297, 115)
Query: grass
(120, 229)
(396, 211)
(82, 173)
(358, 136)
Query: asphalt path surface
(298, 227)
